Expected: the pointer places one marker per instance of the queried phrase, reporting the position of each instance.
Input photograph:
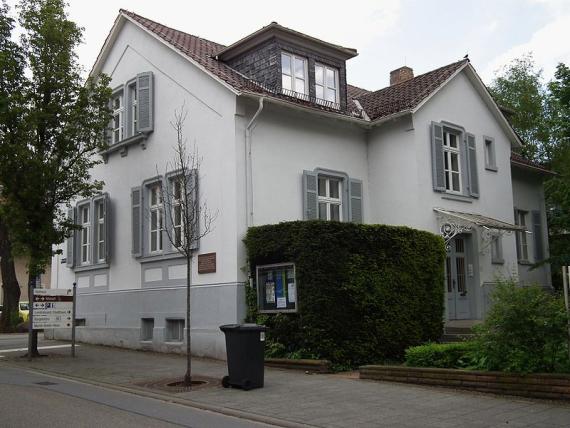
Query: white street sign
(52, 308)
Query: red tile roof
(378, 104)
(518, 160)
(406, 95)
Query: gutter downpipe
(248, 164)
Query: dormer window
(294, 74)
(326, 83)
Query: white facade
(392, 160)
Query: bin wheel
(246, 385)
(226, 381)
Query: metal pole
(73, 320)
(566, 300)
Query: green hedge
(366, 292)
(441, 355)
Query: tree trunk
(10, 286)
(188, 375)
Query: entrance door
(456, 280)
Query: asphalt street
(30, 399)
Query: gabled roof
(523, 163)
(407, 95)
(363, 106)
(276, 30)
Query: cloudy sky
(423, 34)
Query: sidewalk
(290, 397)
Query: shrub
(365, 292)
(525, 331)
(441, 355)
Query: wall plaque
(207, 263)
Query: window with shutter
(145, 102)
(472, 165)
(136, 221)
(70, 243)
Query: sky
(422, 34)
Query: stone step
(453, 338)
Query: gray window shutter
(472, 165)
(69, 257)
(107, 220)
(355, 195)
(136, 222)
(196, 203)
(537, 232)
(145, 100)
(517, 235)
(437, 157)
(310, 198)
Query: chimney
(400, 75)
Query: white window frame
(133, 101)
(490, 154)
(177, 205)
(292, 75)
(158, 209)
(120, 113)
(325, 86)
(448, 153)
(100, 225)
(523, 241)
(85, 235)
(329, 200)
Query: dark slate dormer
(258, 56)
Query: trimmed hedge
(441, 355)
(365, 292)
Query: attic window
(294, 74)
(326, 84)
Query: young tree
(12, 83)
(188, 219)
(46, 160)
(520, 88)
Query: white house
(283, 136)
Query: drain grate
(45, 383)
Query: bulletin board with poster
(276, 288)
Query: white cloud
(549, 46)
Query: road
(31, 399)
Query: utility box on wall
(276, 288)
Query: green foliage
(520, 88)
(440, 355)
(52, 125)
(525, 331)
(365, 292)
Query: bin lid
(243, 327)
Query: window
(490, 160)
(497, 249)
(88, 247)
(85, 234)
(174, 330)
(117, 104)
(133, 108)
(452, 162)
(147, 329)
(100, 231)
(330, 203)
(294, 76)
(326, 83)
(156, 218)
(522, 244)
(331, 195)
(177, 223)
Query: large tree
(520, 88)
(12, 84)
(47, 163)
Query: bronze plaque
(207, 263)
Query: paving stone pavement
(318, 400)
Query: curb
(169, 398)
